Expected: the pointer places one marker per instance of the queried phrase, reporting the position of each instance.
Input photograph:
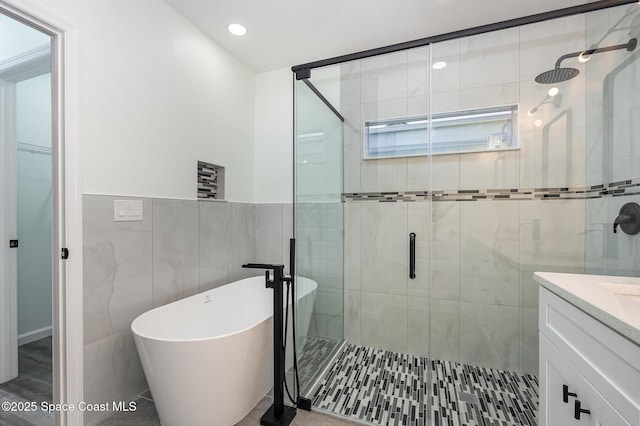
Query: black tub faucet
(278, 414)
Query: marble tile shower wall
(608, 253)
(612, 131)
(486, 70)
(612, 115)
(476, 302)
(181, 248)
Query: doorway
(27, 194)
(66, 199)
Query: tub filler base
(270, 419)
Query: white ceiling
(283, 33)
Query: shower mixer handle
(628, 219)
(623, 219)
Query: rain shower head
(559, 74)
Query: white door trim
(67, 206)
(8, 231)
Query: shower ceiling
(282, 33)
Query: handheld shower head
(558, 74)
(556, 100)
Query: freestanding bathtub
(208, 358)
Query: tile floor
(34, 383)
(364, 385)
(145, 415)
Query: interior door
(8, 234)
(24, 56)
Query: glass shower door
(613, 159)
(318, 229)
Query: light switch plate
(127, 210)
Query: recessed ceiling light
(439, 65)
(237, 29)
(553, 91)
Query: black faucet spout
(263, 266)
(278, 273)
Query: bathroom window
(477, 130)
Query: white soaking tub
(208, 358)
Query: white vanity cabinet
(566, 390)
(589, 373)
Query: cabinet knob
(566, 394)
(579, 410)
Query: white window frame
(424, 121)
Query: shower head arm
(567, 56)
(630, 46)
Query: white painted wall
(157, 95)
(274, 129)
(273, 137)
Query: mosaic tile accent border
(210, 181)
(388, 388)
(615, 189)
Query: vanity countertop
(614, 301)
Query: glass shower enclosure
(319, 229)
(495, 167)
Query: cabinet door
(601, 412)
(556, 373)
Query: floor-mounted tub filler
(208, 358)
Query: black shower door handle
(412, 255)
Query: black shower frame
(303, 71)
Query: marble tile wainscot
(180, 248)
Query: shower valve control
(628, 219)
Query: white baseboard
(34, 335)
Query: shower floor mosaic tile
(387, 388)
(313, 358)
